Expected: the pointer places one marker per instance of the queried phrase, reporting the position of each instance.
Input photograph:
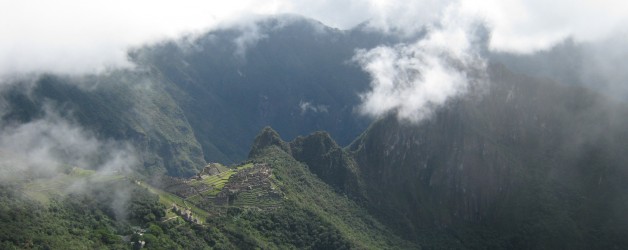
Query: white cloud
(250, 36)
(530, 25)
(309, 107)
(72, 36)
(413, 79)
(45, 144)
(44, 147)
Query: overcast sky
(78, 36)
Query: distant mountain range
(526, 161)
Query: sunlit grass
(167, 199)
(43, 189)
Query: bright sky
(78, 36)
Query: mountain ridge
(520, 162)
(519, 156)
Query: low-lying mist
(50, 147)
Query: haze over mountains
(203, 100)
(374, 139)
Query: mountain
(230, 83)
(595, 65)
(531, 159)
(271, 202)
(528, 163)
(202, 98)
(121, 105)
(322, 156)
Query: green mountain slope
(92, 217)
(322, 156)
(272, 202)
(311, 194)
(121, 105)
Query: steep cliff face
(526, 160)
(306, 191)
(320, 153)
(266, 138)
(290, 73)
(329, 162)
(520, 163)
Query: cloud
(527, 26)
(603, 65)
(309, 107)
(50, 145)
(44, 146)
(249, 36)
(413, 79)
(76, 37)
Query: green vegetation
(314, 197)
(317, 219)
(167, 199)
(43, 189)
(218, 181)
(80, 172)
(518, 163)
(77, 220)
(288, 227)
(121, 105)
(96, 217)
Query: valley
(284, 133)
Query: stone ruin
(251, 185)
(209, 170)
(256, 177)
(185, 213)
(180, 187)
